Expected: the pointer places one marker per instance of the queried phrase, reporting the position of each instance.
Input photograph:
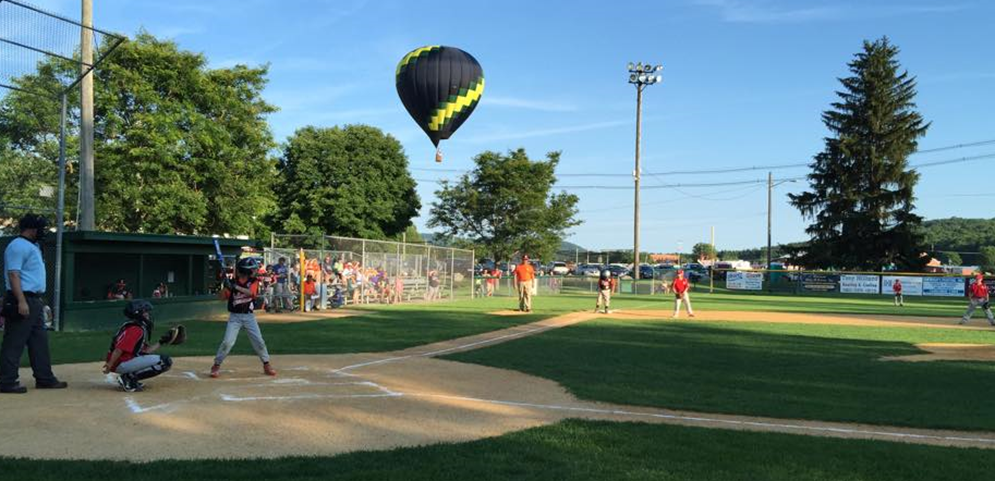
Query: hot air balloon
(439, 86)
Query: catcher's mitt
(175, 336)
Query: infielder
(604, 291)
(681, 288)
(978, 292)
(241, 295)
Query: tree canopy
(861, 197)
(179, 147)
(350, 181)
(704, 251)
(506, 206)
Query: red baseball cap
(680, 271)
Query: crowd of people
(332, 283)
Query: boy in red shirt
(130, 355)
(978, 292)
(681, 288)
(897, 289)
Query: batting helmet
(247, 266)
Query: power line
(747, 182)
(722, 170)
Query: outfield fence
(755, 281)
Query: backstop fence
(373, 271)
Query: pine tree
(861, 201)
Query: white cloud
(767, 11)
(525, 134)
(528, 104)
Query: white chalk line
(703, 419)
(301, 397)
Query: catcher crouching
(131, 354)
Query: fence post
(452, 273)
(362, 253)
(473, 274)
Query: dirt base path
(806, 318)
(330, 404)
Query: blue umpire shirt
(24, 256)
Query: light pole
(640, 75)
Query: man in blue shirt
(24, 278)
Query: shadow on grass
(574, 450)
(725, 369)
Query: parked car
(558, 268)
(646, 271)
(539, 268)
(589, 270)
(618, 270)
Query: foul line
(442, 351)
(702, 419)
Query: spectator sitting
(310, 293)
(160, 291)
(118, 291)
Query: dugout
(92, 261)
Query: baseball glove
(175, 336)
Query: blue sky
(744, 85)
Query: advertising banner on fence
(911, 286)
(820, 282)
(859, 284)
(943, 286)
(745, 281)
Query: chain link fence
(331, 271)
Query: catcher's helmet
(247, 266)
(136, 310)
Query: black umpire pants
(20, 332)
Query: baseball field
(754, 387)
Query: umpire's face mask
(40, 234)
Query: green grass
(725, 300)
(574, 450)
(383, 329)
(820, 372)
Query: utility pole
(87, 220)
(770, 190)
(640, 76)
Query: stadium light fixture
(640, 75)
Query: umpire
(24, 274)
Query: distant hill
(960, 235)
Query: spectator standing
(524, 277)
(23, 306)
(281, 293)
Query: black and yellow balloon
(439, 86)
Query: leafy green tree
(703, 251)
(988, 259)
(350, 181)
(861, 201)
(953, 259)
(179, 147)
(506, 204)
